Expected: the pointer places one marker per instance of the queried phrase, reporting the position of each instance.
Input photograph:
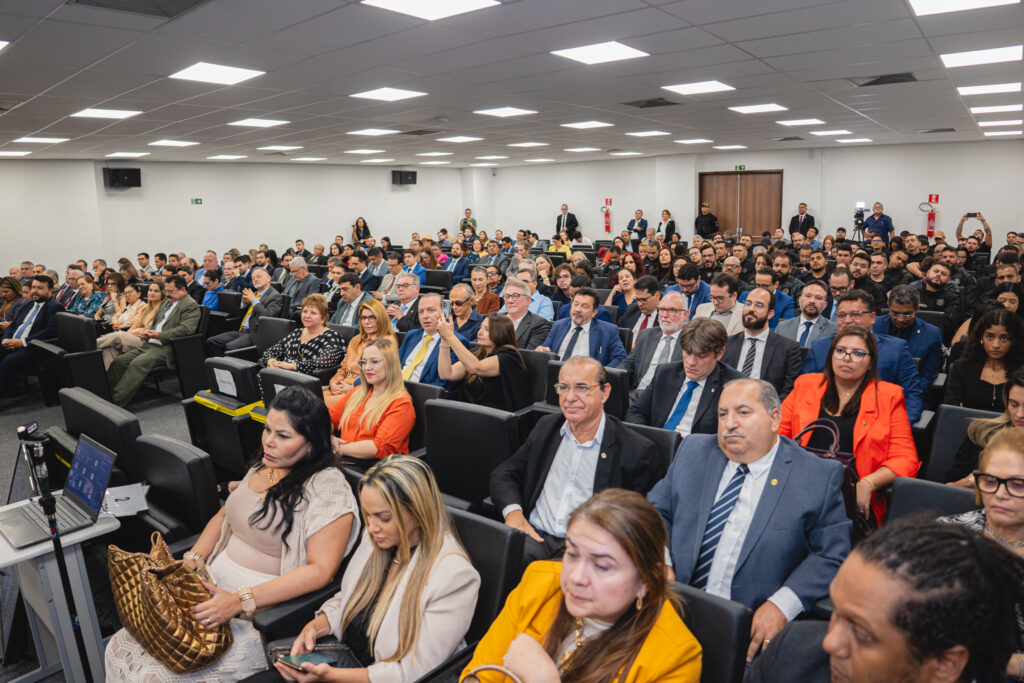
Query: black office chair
(537, 372)
(667, 441)
(420, 394)
(908, 496)
(601, 282)
(950, 429)
(722, 627)
(189, 356)
(613, 313)
(617, 403)
(937, 318)
(76, 340)
(439, 278)
(626, 336)
(228, 315)
(268, 332)
(183, 489)
(346, 332)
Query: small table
(48, 616)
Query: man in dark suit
(895, 364)
(420, 347)
(924, 340)
(35, 320)
(300, 284)
(658, 344)
(583, 335)
(495, 257)
(751, 516)
(810, 324)
(194, 289)
(352, 297)
(458, 264)
(643, 312)
(683, 396)
(531, 329)
(405, 314)
(361, 265)
(759, 353)
(802, 221)
(566, 221)
(261, 300)
(569, 457)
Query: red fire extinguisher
(928, 208)
(607, 211)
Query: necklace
(578, 640)
(1004, 541)
(273, 476)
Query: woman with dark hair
(664, 269)
(484, 300)
(113, 301)
(604, 613)
(385, 244)
(428, 260)
(623, 293)
(871, 416)
(282, 533)
(963, 333)
(563, 277)
(334, 250)
(634, 263)
(993, 349)
(360, 231)
(272, 261)
(495, 376)
(981, 430)
(545, 275)
(11, 300)
(1011, 296)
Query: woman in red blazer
(871, 416)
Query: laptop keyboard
(66, 519)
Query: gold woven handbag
(154, 593)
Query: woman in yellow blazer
(605, 613)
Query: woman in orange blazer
(871, 416)
(604, 613)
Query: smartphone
(972, 215)
(296, 661)
(446, 309)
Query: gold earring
(639, 602)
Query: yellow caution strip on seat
(236, 412)
(256, 417)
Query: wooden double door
(751, 200)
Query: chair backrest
(274, 380)
(617, 403)
(272, 330)
(613, 313)
(454, 435)
(346, 332)
(439, 278)
(204, 321)
(937, 318)
(626, 336)
(286, 303)
(603, 292)
(234, 377)
(950, 429)
(557, 258)
(75, 332)
(496, 551)
(722, 627)
(178, 473)
(421, 393)
(108, 424)
(537, 372)
(907, 496)
(667, 441)
(229, 302)
(601, 282)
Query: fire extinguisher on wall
(929, 209)
(607, 211)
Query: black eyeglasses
(988, 483)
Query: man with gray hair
(70, 287)
(301, 283)
(261, 300)
(924, 340)
(531, 329)
(751, 516)
(405, 314)
(539, 304)
(659, 344)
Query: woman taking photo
(604, 613)
(89, 297)
(312, 347)
(495, 376)
(484, 300)
(282, 533)
(871, 416)
(623, 293)
(408, 595)
(981, 430)
(373, 324)
(994, 347)
(375, 418)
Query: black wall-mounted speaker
(403, 177)
(122, 177)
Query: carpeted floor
(159, 412)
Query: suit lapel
(770, 495)
(708, 394)
(608, 458)
(670, 394)
(866, 418)
(714, 466)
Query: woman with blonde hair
(124, 340)
(375, 418)
(373, 324)
(407, 597)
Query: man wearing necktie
(752, 517)
(37, 320)
(420, 347)
(810, 324)
(262, 300)
(566, 221)
(802, 221)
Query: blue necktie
(835, 309)
(720, 512)
(805, 333)
(572, 343)
(677, 415)
(26, 325)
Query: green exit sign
(739, 167)
(197, 200)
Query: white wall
(57, 211)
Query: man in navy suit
(458, 264)
(751, 516)
(37, 320)
(583, 335)
(420, 347)
(895, 364)
(924, 340)
(361, 265)
(691, 286)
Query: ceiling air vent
(926, 131)
(887, 79)
(153, 8)
(648, 104)
(421, 131)
(790, 138)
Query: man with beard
(810, 324)
(939, 294)
(923, 339)
(817, 267)
(658, 344)
(783, 306)
(860, 267)
(759, 353)
(964, 280)
(783, 265)
(581, 335)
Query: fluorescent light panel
(694, 141)
(698, 88)
(226, 157)
(923, 8)
(486, 163)
(127, 155)
(12, 153)
(205, 72)
(431, 10)
(599, 53)
(372, 131)
(582, 149)
(648, 133)
(537, 161)
(758, 108)
(106, 113)
(365, 151)
(994, 55)
(172, 143)
(730, 147)
(280, 148)
(374, 161)
(435, 154)
(1008, 122)
(998, 109)
(259, 123)
(801, 122)
(831, 132)
(505, 112)
(845, 140)
(434, 163)
(584, 125)
(625, 154)
(388, 94)
(491, 157)
(527, 144)
(458, 139)
(41, 141)
(309, 159)
(4, 43)
(995, 133)
(992, 89)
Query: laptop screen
(90, 473)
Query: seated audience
(531, 329)
(37, 319)
(694, 289)
(539, 304)
(723, 305)
(537, 488)
(405, 313)
(769, 280)
(981, 430)
(683, 395)
(623, 293)
(258, 301)
(484, 301)
(136, 317)
(495, 376)
(466, 320)
(562, 279)
(643, 312)
(604, 613)
(420, 347)
(373, 324)
(300, 284)
(310, 348)
(88, 299)
(995, 347)
(658, 344)
(924, 341)
(760, 353)
(576, 283)
(588, 337)
(387, 290)
(350, 289)
(11, 300)
(408, 595)
(778, 562)
(282, 533)
(212, 285)
(870, 415)
(113, 300)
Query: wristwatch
(248, 601)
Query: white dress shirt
(415, 377)
(670, 340)
(582, 347)
(349, 318)
(163, 320)
(727, 554)
(762, 339)
(686, 424)
(652, 320)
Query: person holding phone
(408, 595)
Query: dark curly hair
(995, 317)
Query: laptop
(78, 505)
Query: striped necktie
(720, 512)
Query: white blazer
(735, 322)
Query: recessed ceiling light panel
(435, 154)
(648, 133)
(226, 157)
(486, 163)
(599, 53)
(372, 131)
(923, 8)
(505, 112)
(460, 139)
(527, 144)
(388, 94)
(1008, 122)
(172, 143)
(625, 154)
(801, 122)
(434, 163)
(216, 73)
(845, 140)
(583, 125)
(997, 109)
(41, 141)
(13, 153)
(993, 89)
(365, 151)
(582, 149)
(309, 158)
(259, 123)
(831, 132)
(698, 88)
(4, 43)
(106, 113)
(996, 133)
(694, 141)
(994, 55)
(758, 108)
(431, 10)
(730, 147)
(374, 161)
(492, 157)
(127, 155)
(280, 148)
(537, 161)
